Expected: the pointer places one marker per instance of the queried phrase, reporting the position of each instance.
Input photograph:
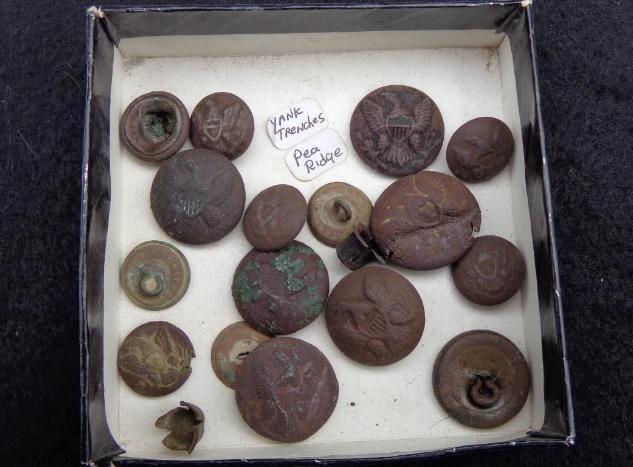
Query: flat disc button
(335, 209)
(234, 343)
(155, 275)
(154, 126)
(481, 379)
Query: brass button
(186, 426)
(335, 209)
(155, 275)
(231, 347)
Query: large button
(480, 149)
(425, 221)
(154, 126)
(197, 196)
(375, 316)
(154, 359)
(223, 123)
(286, 390)
(490, 272)
(231, 347)
(280, 292)
(275, 217)
(397, 130)
(481, 379)
(334, 210)
(155, 275)
(186, 424)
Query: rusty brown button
(286, 389)
(155, 275)
(397, 130)
(186, 424)
(154, 359)
(154, 126)
(375, 316)
(224, 123)
(358, 249)
(425, 221)
(275, 217)
(490, 272)
(231, 347)
(334, 210)
(481, 379)
(197, 196)
(479, 149)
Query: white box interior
(468, 74)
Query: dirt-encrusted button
(334, 210)
(397, 130)
(490, 272)
(154, 359)
(231, 347)
(480, 149)
(481, 379)
(155, 275)
(154, 126)
(286, 390)
(425, 221)
(282, 291)
(375, 316)
(186, 424)
(224, 123)
(358, 249)
(197, 196)
(275, 217)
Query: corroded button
(197, 196)
(480, 149)
(425, 221)
(481, 379)
(155, 275)
(224, 123)
(286, 390)
(154, 359)
(186, 424)
(375, 316)
(358, 249)
(231, 347)
(282, 291)
(490, 272)
(335, 209)
(397, 130)
(154, 126)
(275, 217)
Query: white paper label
(296, 123)
(315, 155)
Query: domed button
(154, 126)
(481, 379)
(154, 359)
(155, 275)
(223, 123)
(491, 272)
(334, 210)
(231, 347)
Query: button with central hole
(230, 349)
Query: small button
(481, 379)
(224, 123)
(334, 210)
(154, 359)
(155, 275)
(154, 126)
(186, 424)
(480, 149)
(358, 249)
(231, 347)
(491, 272)
(275, 217)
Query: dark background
(585, 53)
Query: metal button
(231, 347)
(155, 275)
